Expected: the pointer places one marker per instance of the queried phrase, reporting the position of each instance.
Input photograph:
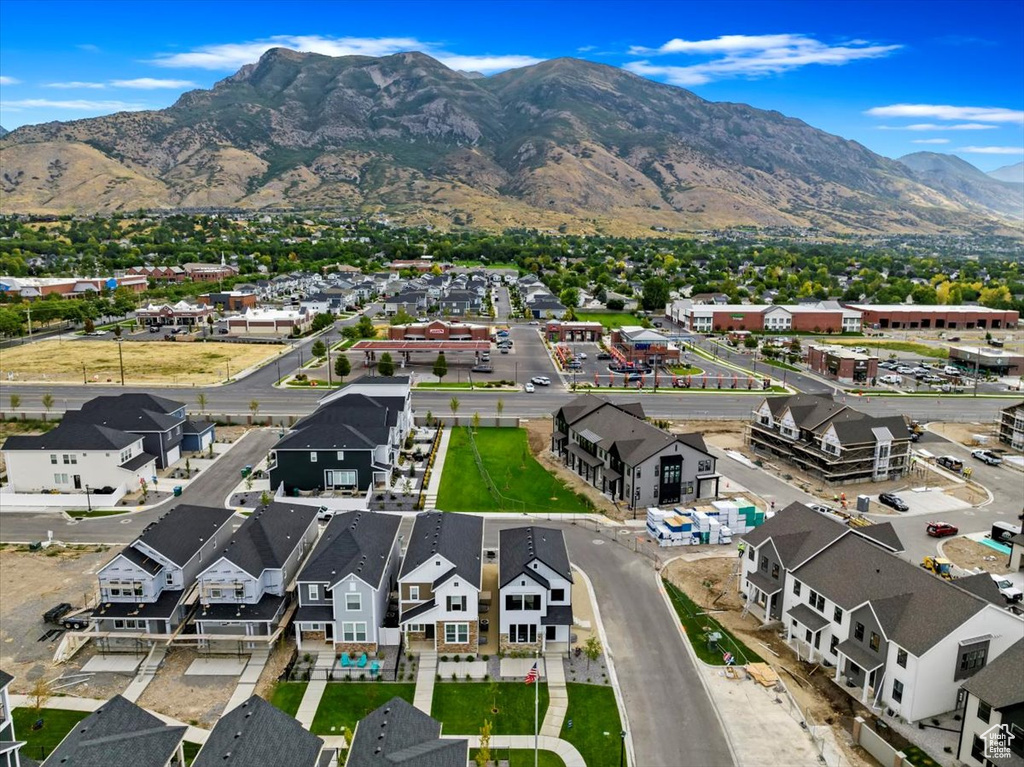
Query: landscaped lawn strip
(57, 722)
(522, 483)
(345, 703)
(593, 712)
(288, 695)
(520, 757)
(609, 319)
(696, 625)
(463, 707)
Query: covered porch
(806, 635)
(858, 672)
(764, 596)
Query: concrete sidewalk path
(566, 750)
(315, 689)
(146, 674)
(425, 676)
(246, 687)
(434, 486)
(558, 696)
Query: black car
(893, 501)
(604, 356)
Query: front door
(670, 479)
(428, 631)
(550, 632)
(78, 481)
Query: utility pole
(28, 311)
(120, 359)
(329, 383)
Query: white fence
(872, 742)
(59, 501)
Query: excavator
(939, 566)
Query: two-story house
(993, 712)
(535, 584)
(613, 448)
(459, 302)
(350, 442)
(398, 733)
(145, 587)
(345, 586)
(440, 580)
(244, 589)
(258, 734)
(830, 440)
(10, 746)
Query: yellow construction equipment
(939, 566)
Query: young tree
(750, 342)
(483, 753)
(117, 331)
(440, 366)
(15, 401)
(592, 649)
(265, 498)
(476, 421)
(342, 367)
(90, 326)
(454, 405)
(365, 328)
(201, 399)
(500, 406)
(319, 348)
(386, 365)
(254, 408)
(40, 694)
(47, 401)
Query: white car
(986, 457)
(544, 381)
(529, 388)
(893, 379)
(581, 356)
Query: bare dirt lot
(967, 433)
(197, 700)
(968, 554)
(727, 435)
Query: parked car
(504, 350)
(534, 322)
(893, 501)
(951, 371)
(544, 381)
(529, 388)
(222, 331)
(154, 329)
(930, 379)
(575, 365)
(604, 355)
(581, 356)
(482, 369)
(323, 514)
(941, 529)
(950, 462)
(905, 370)
(892, 379)
(1010, 593)
(535, 380)
(820, 508)
(986, 456)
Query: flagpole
(536, 709)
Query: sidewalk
(315, 690)
(566, 750)
(146, 673)
(558, 696)
(434, 486)
(247, 681)
(425, 675)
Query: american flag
(727, 657)
(532, 675)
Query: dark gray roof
(130, 412)
(70, 435)
(352, 422)
(807, 617)
(138, 461)
(356, 542)
(421, 609)
(883, 533)
(118, 734)
(5, 679)
(558, 615)
(815, 412)
(397, 733)
(144, 561)
(268, 608)
(265, 539)
(1001, 682)
(519, 546)
(257, 734)
(765, 582)
(857, 653)
(1018, 539)
(183, 530)
(915, 609)
(314, 614)
(981, 585)
(162, 609)
(196, 427)
(797, 533)
(456, 537)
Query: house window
(972, 659)
(978, 750)
(897, 690)
(60, 479)
(519, 633)
(513, 601)
(984, 711)
(531, 602)
(353, 602)
(341, 455)
(456, 604)
(764, 564)
(169, 579)
(750, 554)
(703, 466)
(837, 615)
(833, 643)
(817, 601)
(858, 632)
(53, 459)
(775, 570)
(638, 472)
(796, 588)
(875, 641)
(414, 593)
(557, 595)
(312, 457)
(901, 658)
(456, 633)
(353, 631)
(314, 592)
(215, 593)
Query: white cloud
(152, 83)
(5, 80)
(586, 48)
(76, 84)
(992, 149)
(946, 112)
(750, 56)
(936, 126)
(930, 141)
(88, 48)
(81, 105)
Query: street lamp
(622, 748)
(120, 358)
(88, 500)
(636, 500)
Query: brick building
(841, 364)
(160, 273)
(992, 361)
(229, 301)
(819, 317)
(439, 330)
(920, 317)
(635, 344)
(567, 332)
(69, 287)
(210, 272)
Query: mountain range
(564, 144)
(1012, 173)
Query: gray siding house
(346, 584)
(535, 583)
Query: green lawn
(191, 750)
(519, 482)
(288, 695)
(463, 706)
(686, 370)
(57, 722)
(345, 703)
(609, 319)
(780, 364)
(521, 757)
(596, 727)
(696, 625)
(919, 758)
(922, 350)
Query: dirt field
(727, 435)
(144, 361)
(709, 581)
(197, 700)
(966, 433)
(968, 554)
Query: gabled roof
(182, 531)
(397, 733)
(257, 734)
(1001, 682)
(981, 585)
(519, 546)
(353, 422)
(266, 539)
(456, 537)
(118, 734)
(130, 412)
(882, 533)
(354, 543)
(70, 435)
(5, 679)
(797, 533)
(816, 412)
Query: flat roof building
(917, 316)
(842, 364)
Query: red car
(941, 529)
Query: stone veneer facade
(511, 647)
(470, 647)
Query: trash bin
(863, 503)
(177, 490)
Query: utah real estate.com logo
(997, 742)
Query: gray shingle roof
(399, 734)
(916, 609)
(518, 546)
(356, 542)
(266, 539)
(456, 537)
(5, 679)
(162, 609)
(353, 422)
(981, 585)
(803, 613)
(183, 530)
(1001, 682)
(797, 533)
(118, 734)
(73, 436)
(130, 412)
(883, 533)
(815, 412)
(257, 734)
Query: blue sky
(896, 76)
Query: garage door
(173, 454)
(205, 440)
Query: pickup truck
(1010, 592)
(986, 456)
